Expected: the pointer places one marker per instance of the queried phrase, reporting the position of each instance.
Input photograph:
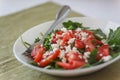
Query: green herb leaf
(47, 43)
(114, 37)
(37, 40)
(99, 34)
(73, 25)
(93, 56)
(26, 44)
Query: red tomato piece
(49, 59)
(35, 49)
(59, 32)
(103, 51)
(72, 55)
(90, 44)
(73, 61)
(79, 44)
(39, 54)
(72, 65)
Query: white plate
(34, 32)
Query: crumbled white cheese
(58, 41)
(106, 58)
(54, 49)
(55, 46)
(47, 53)
(87, 54)
(62, 54)
(75, 49)
(68, 48)
(71, 40)
(64, 60)
(52, 34)
(80, 56)
(57, 36)
(78, 29)
(51, 37)
(86, 60)
(63, 29)
(84, 35)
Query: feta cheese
(58, 36)
(58, 41)
(63, 29)
(54, 49)
(75, 49)
(84, 35)
(68, 48)
(106, 58)
(55, 46)
(64, 60)
(87, 54)
(71, 40)
(78, 29)
(86, 60)
(47, 54)
(62, 54)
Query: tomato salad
(74, 46)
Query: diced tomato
(59, 32)
(54, 40)
(39, 54)
(99, 42)
(90, 44)
(103, 51)
(72, 55)
(63, 43)
(72, 65)
(73, 61)
(79, 44)
(49, 59)
(36, 49)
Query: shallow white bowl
(34, 32)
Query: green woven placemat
(14, 25)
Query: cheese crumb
(71, 40)
(63, 29)
(78, 29)
(84, 35)
(55, 46)
(87, 54)
(68, 48)
(62, 54)
(106, 58)
(75, 49)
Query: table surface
(102, 9)
(14, 25)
